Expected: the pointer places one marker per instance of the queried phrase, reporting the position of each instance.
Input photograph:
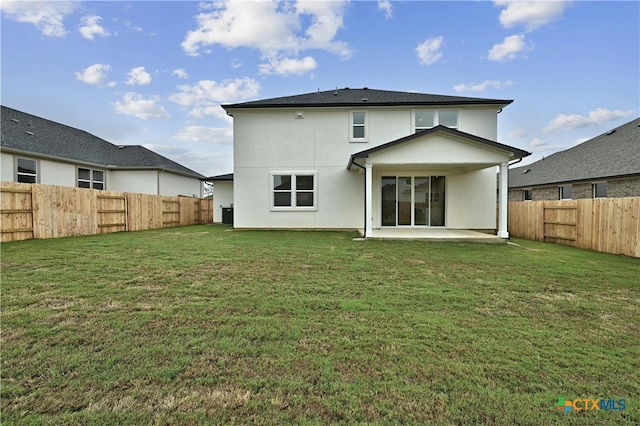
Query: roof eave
(497, 103)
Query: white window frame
(293, 191)
(92, 181)
(436, 118)
(593, 188)
(19, 173)
(352, 125)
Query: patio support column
(503, 202)
(368, 203)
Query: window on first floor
(90, 178)
(566, 192)
(600, 190)
(27, 170)
(294, 191)
(527, 194)
(426, 119)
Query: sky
(155, 73)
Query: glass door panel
(421, 201)
(437, 201)
(404, 201)
(388, 201)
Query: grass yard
(203, 325)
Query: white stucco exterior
(222, 197)
(316, 142)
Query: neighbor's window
(27, 170)
(527, 195)
(600, 190)
(566, 192)
(89, 178)
(358, 126)
(426, 119)
(294, 191)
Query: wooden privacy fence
(610, 225)
(45, 211)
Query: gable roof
(615, 153)
(29, 134)
(517, 153)
(358, 97)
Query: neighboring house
(222, 198)
(369, 159)
(37, 150)
(605, 166)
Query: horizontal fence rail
(610, 225)
(45, 211)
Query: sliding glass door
(413, 200)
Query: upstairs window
(294, 191)
(600, 190)
(27, 170)
(358, 126)
(89, 178)
(426, 119)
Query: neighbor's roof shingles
(615, 153)
(30, 134)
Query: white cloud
(181, 73)
(531, 14)
(575, 121)
(89, 27)
(138, 76)
(385, 6)
(93, 74)
(47, 16)
(213, 135)
(508, 49)
(517, 133)
(481, 87)
(429, 51)
(580, 140)
(536, 142)
(289, 66)
(141, 107)
(205, 96)
(271, 26)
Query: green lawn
(204, 325)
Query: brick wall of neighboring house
(582, 190)
(615, 189)
(546, 193)
(624, 188)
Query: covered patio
(436, 184)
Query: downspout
(364, 222)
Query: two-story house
(369, 160)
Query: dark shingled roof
(28, 134)
(228, 176)
(358, 97)
(615, 153)
(517, 153)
